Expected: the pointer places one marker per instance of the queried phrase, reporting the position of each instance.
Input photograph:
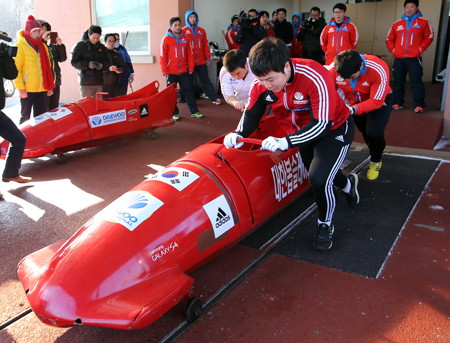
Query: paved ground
(285, 299)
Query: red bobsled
(91, 122)
(129, 264)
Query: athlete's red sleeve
(428, 35)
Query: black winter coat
(58, 54)
(83, 53)
(8, 70)
(111, 78)
(311, 39)
(249, 37)
(284, 31)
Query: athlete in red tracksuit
(230, 36)
(364, 81)
(407, 39)
(202, 55)
(175, 57)
(339, 35)
(304, 101)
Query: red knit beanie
(31, 24)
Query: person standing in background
(339, 35)
(111, 78)
(310, 36)
(127, 76)
(407, 40)
(57, 54)
(35, 78)
(202, 56)
(283, 29)
(297, 45)
(230, 36)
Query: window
(130, 19)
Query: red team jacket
(368, 91)
(297, 45)
(334, 39)
(175, 54)
(198, 39)
(230, 37)
(303, 108)
(409, 37)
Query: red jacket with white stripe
(198, 39)
(175, 54)
(308, 106)
(230, 37)
(335, 39)
(409, 37)
(368, 91)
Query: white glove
(273, 144)
(351, 108)
(131, 78)
(230, 140)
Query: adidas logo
(340, 138)
(222, 217)
(365, 83)
(144, 111)
(268, 98)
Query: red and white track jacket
(409, 37)
(308, 107)
(368, 91)
(335, 39)
(175, 54)
(199, 41)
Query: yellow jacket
(28, 63)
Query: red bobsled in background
(91, 122)
(129, 264)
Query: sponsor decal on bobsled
(162, 250)
(58, 113)
(287, 175)
(143, 110)
(131, 209)
(220, 215)
(131, 112)
(39, 119)
(178, 178)
(107, 118)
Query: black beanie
(415, 2)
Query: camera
(308, 24)
(5, 49)
(245, 22)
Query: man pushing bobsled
(303, 98)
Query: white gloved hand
(230, 140)
(351, 108)
(273, 144)
(131, 78)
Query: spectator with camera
(127, 75)
(8, 130)
(111, 78)
(58, 54)
(310, 36)
(283, 29)
(236, 79)
(250, 30)
(90, 58)
(35, 75)
(339, 35)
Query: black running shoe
(324, 236)
(353, 196)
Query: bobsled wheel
(193, 309)
(63, 159)
(153, 135)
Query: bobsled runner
(130, 263)
(92, 122)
